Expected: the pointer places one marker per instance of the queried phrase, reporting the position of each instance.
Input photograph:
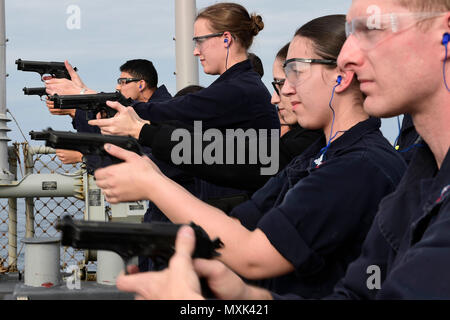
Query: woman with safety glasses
(294, 139)
(223, 34)
(288, 120)
(301, 230)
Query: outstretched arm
(249, 253)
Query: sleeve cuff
(248, 214)
(147, 135)
(288, 242)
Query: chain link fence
(46, 210)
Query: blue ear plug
(445, 39)
(339, 79)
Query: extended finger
(119, 152)
(101, 122)
(73, 74)
(185, 241)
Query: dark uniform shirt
(243, 176)
(237, 99)
(409, 240)
(317, 216)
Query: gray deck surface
(12, 289)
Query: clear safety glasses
(369, 31)
(278, 85)
(298, 70)
(198, 41)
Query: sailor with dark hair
(138, 80)
(141, 69)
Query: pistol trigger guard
(45, 74)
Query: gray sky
(112, 32)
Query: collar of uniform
(161, 94)
(407, 122)
(353, 135)
(238, 68)
(434, 188)
(347, 139)
(423, 167)
(441, 184)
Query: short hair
(187, 90)
(256, 63)
(426, 5)
(142, 69)
(282, 54)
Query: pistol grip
(110, 113)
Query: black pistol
(129, 240)
(91, 103)
(86, 143)
(54, 69)
(35, 92)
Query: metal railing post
(5, 175)
(12, 213)
(29, 202)
(186, 62)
